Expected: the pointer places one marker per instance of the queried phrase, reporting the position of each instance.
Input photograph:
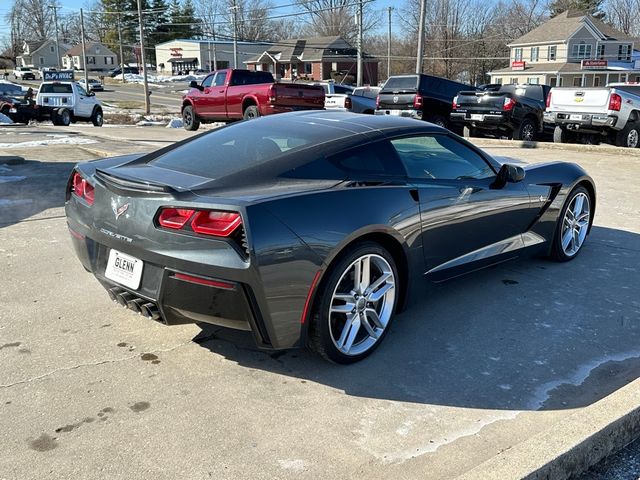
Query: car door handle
(414, 194)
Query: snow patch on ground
(8, 179)
(295, 465)
(136, 78)
(175, 123)
(5, 120)
(49, 141)
(4, 202)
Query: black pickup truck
(420, 96)
(514, 110)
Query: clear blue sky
(75, 5)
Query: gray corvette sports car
(311, 228)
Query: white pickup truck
(610, 113)
(67, 102)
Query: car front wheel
(189, 119)
(355, 304)
(573, 225)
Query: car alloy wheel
(528, 132)
(362, 304)
(633, 138)
(575, 224)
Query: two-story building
(571, 49)
(99, 58)
(41, 54)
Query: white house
(99, 58)
(41, 54)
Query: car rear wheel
(63, 116)
(190, 120)
(527, 131)
(355, 304)
(438, 120)
(629, 136)
(573, 225)
(561, 135)
(251, 112)
(97, 118)
(468, 131)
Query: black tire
(54, 118)
(557, 253)
(320, 339)
(560, 135)
(469, 131)
(190, 120)
(97, 118)
(629, 136)
(438, 120)
(251, 112)
(527, 130)
(64, 117)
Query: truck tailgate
(588, 100)
(481, 102)
(335, 100)
(299, 95)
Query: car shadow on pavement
(30, 188)
(525, 335)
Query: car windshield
(56, 88)
(243, 146)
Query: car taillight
(82, 189)
(509, 103)
(378, 101)
(455, 105)
(273, 96)
(216, 223)
(615, 102)
(174, 218)
(347, 103)
(548, 103)
(417, 101)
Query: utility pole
(423, 8)
(147, 100)
(235, 34)
(213, 34)
(55, 7)
(84, 52)
(389, 44)
(121, 49)
(360, 68)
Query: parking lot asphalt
(473, 368)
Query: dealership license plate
(575, 117)
(124, 269)
(475, 116)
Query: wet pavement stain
(150, 357)
(140, 406)
(24, 351)
(65, 429)
(43, 443)
(9, 345)
(122, 344)
(155, 362)
(507, 281)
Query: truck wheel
(527, 131)
(438, 120)
(468, 132)
(560, 135)
(190, 121)
(251, 112)
(64, 117)
(97, 118)
(629, 136)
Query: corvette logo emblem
(118, 210)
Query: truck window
(402, 83)
(245, 77)
(207, 81)
(221, 77)
(56, 88)
(341, 89)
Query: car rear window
(245, 77)
(402, 83)
(56, 88)
(243, 146)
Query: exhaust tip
(124, 298)
(149, 310)
(113, 293)
(135, 304)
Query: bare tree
(623, 15)
(31, 20)
(328, 18)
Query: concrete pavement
(475, 369)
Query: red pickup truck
(233, 94)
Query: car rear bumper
(578, 120)
(272, 109)
(411, 113)
(482, 120)
(225, 297)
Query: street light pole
(360, 62)
(389, 45)
(423, 8)
(55, 7)
(235, 34)
(84, 52)
(121, 49)
(147, 100)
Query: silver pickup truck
(610, 113)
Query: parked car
(16, 108)
(424, 97)
(360, 100)
(24, 73)
(610, 113)
(94, 85)
(68, 102)
(307, 228)
(514, 110)
(114, 72)
(232, 94)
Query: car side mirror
(91, 94)
(508, 174)
(194, 84)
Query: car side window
(440, 157)
(81, 90)
(207, 81)
(341, 89)
(221, 77)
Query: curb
(574, 147)
(572, 445)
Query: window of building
(600, 53)
(552, 52)
(51, 48)
(518, 54)
(624, 53)
(533, 80)
(91, 60)
(638, 79)
(577, 81)
(308, 68)
(596, 81)
(108, 60)
(581, 51)
(41, 60)
(535, 54)
(440, 157)
(498, 80)
(222, 64)
(513, 81)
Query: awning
(183, 60)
